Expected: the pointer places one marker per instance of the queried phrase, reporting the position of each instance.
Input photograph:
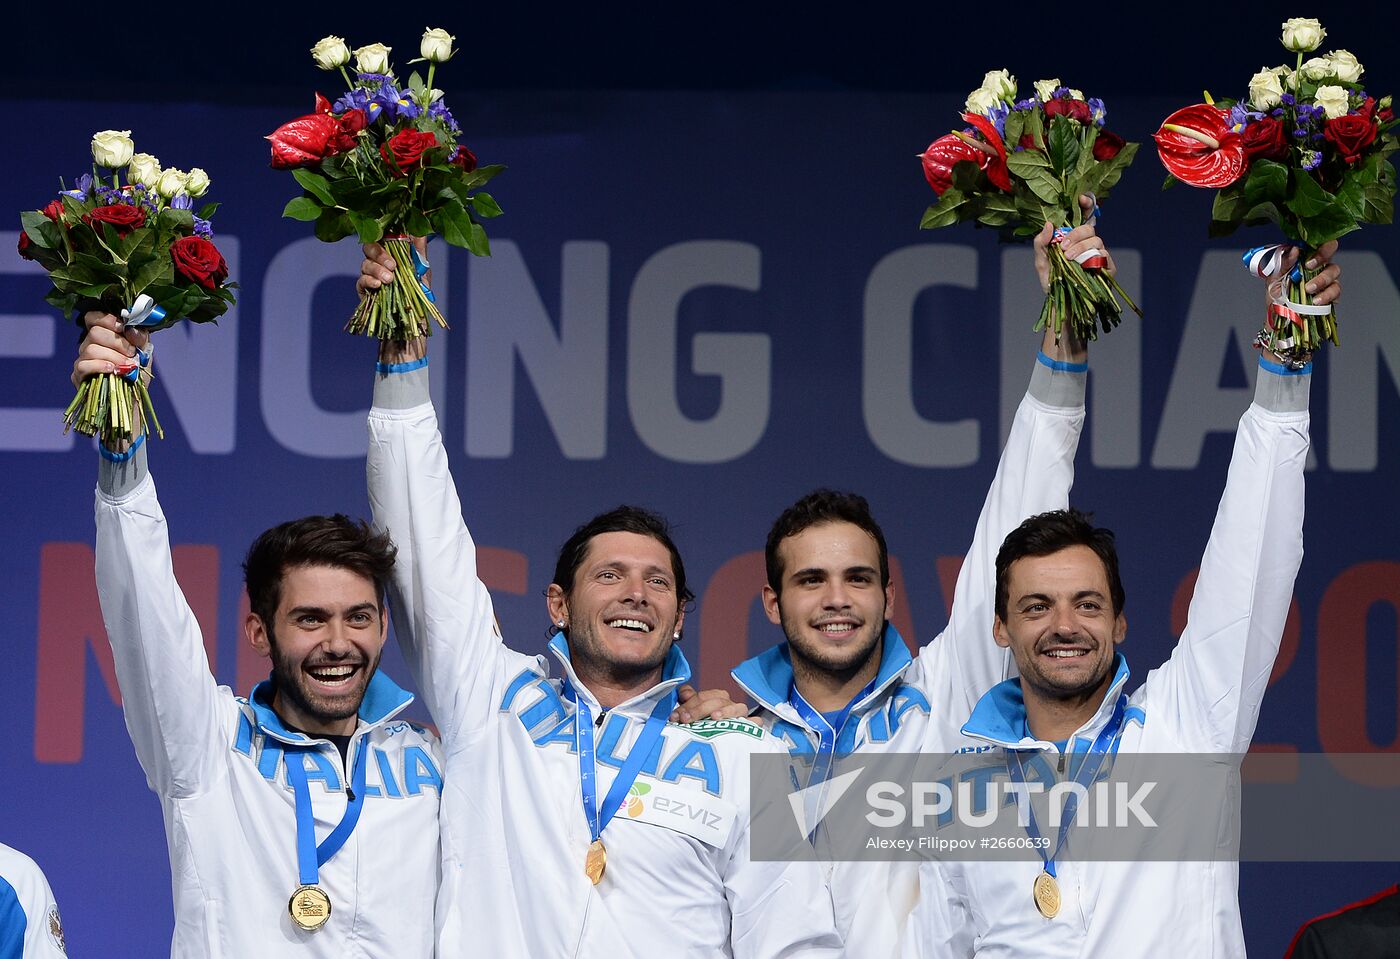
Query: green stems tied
(1290, 331)
(398, 310)
(1085, 299)
(111, 408)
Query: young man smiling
(577, 821)
(1060, 611)
(302, 821)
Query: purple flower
(372, 79)
(438, 111)
(1026, 104)
(182, 202)
(358, 99)
(203, 228)
(1059, 92)
(1312, 159)
(1287, 99)
(1240, 116)
(1097, 110)
(997, 115)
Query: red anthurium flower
(322, 104)
(943, 154)
(303, 141)
(1197, 146)
(992, 144)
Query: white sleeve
(1033, 476)
(1213, 684)
(170, 700)
(29, 922)
(442, 613)
(940, 925)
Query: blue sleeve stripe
(1282, 370)
(13, 923)
(1060, 366)
(408, 367)
(121, 457)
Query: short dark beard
(843, 669)
(288, 685)
(586, 661)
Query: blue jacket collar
(767, 677)
(383, 699)
(675, 672)
(1000, 715)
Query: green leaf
(333, 225)
(947, 211)
(1169, 181)
(1266, 181)
(1352, 197)
(966, 176)
(154, 270)
(1329, 224)
(480, 176)
(1308, 198)
(486, 206)
(366, 227)
(1229, 205)
(35, 223)
(315, 184)
(1027, 163)
(455, 224)
(207, 211)
(1267, 212)
(1378, 204)
(1106, 174)
(418, 224)
(1035, 126)
(1062, 145)
(477, 241)
(1015, 126)
(302, 208)
(1045, 186)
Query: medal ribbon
(631, 766)
(1088, 770)
(310, 856)
(828, 731)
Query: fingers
(710, 704)
(1043, 238)
(376, 269)
(103, 351)
(1324, 255)
(95, 318)
(1326, 286)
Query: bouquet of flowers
(1022, 162)
(1305, 151)
(137, 249)
(383, 162)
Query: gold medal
(596, 862)
(310, 907)
(1046, 893)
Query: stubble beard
(289, 683)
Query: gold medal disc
(1046, 893)
(310, 907)
(596, 862)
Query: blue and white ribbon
(144, 311)
(420, 269)
(1266, 262)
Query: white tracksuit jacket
(1204, 699)
(218, 764)
(29, 923)
(679, 880)
(924, 699)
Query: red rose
(941, 156)
(54, 211)
(1108, 145)
(1074, 109)
(1264, 138)
(1386, 115)
(1028, 142)
(122, 217)
(343, 140)
(464, 158)
(24, 244)
(1350, 135)
(405, 149)
(199, 260)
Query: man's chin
(836, 657)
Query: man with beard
(1060, 612)
(844, 681)
(576, 820)
(244, 784)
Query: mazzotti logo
(710, 728)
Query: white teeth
(1067, 653)
(836, 627)
(331, 673)
(630, 624)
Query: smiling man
(577, 821)
(303, 820)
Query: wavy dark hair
(336, 541)
(817, 507)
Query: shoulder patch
(56, 930)
(710, 728)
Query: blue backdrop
(707, 304)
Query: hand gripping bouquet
(1305, 151)
(1020, 163)
(383, 163)
(136, 249)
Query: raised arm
(1215, 680)
(442, 612)
(1034, 475)
(169, 698)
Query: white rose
(981, 101)
(196, 182)
(1317, 68)
(112, 148)
(436, 45)
(373, 58)
(171, 183)
(1302, 34)
(143, 169)
(1076, 94)
(1001, 84)
(1333, 100)
(1045, 89)
(330, 53)
(1265, 90)
(434, 95)
(1345, 67)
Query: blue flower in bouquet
(393, 104)
(438, 111)
(997, 114)
(1022, 106)
(1240, 117)
(1097, 111)
(203, 228)
(372, 80)
(82, 187)
(181, 202)
(1312, 159)
(358, 99)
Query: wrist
(396, 352)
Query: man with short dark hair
(303, 820)
(1059, 611)
(577, 820)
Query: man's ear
(889, 600)
(1120, 629)
(558, 605)
(770, 605)
(1000, 633)
(256, 633)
